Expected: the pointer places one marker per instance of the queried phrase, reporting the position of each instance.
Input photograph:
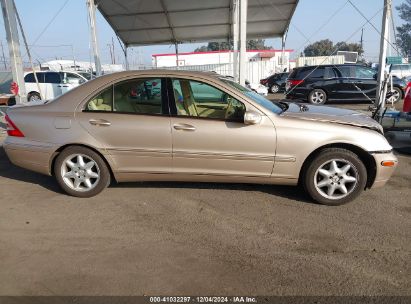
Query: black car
(340, 82)
(276, 82)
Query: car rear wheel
(274, 88)
(81, 172)
(317, 96)
(33, 96)
(334, 177)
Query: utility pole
(243, 41)
(380, 97)
(12, 34)
(93, 34)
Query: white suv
(401, 70)
(52, 84)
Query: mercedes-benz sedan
(193, 126)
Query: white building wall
(189, 59)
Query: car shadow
(10, 171)
(289, 192)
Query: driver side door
(209, 136)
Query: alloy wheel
(336, 178)
(80, 172)
(317, 97)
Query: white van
(52, 84)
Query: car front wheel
(334, 177)
(317, 97)
(33, 96)
(396, 95)
(81, 172)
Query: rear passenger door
(131, 121)
(52, 84)
(344, 88)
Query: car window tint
(317, 73)
(361, 72)
(29, 78)
(330, 73)
(344, 71)
(198, 99)
(73, 78)
(102, 102)
(52, 77)
(141, 96)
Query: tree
(404, 31)
(256, 44)
(326, 48)
(319, 48)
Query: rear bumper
(29, 155)
(383, 174)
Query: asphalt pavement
(201, 239)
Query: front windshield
(262, 101)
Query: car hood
(332, 115)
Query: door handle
(184, 127)
(99, 122)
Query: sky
(55, 30)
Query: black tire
(275, 88)
(100, 169)
(33, 96)
(317, 97)
(312, 178)
(397, 94)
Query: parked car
(400, 70)
(276, 82)
(342, 82)
(114, 127)
(256, 87)
(52, 84)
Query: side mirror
(252, 118)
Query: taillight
(263, 81)
(12, 130)
(294, 82)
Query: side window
(73, 79)
(52, 77)
(361, 72)
(344, 71)
(29, 78)
(198, 99)
(330, 73)
(102, 102)
(142, 96)
(317, 73)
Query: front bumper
(383, 173)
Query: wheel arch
(364, 156)
(57, 152)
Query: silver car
(166, 125)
